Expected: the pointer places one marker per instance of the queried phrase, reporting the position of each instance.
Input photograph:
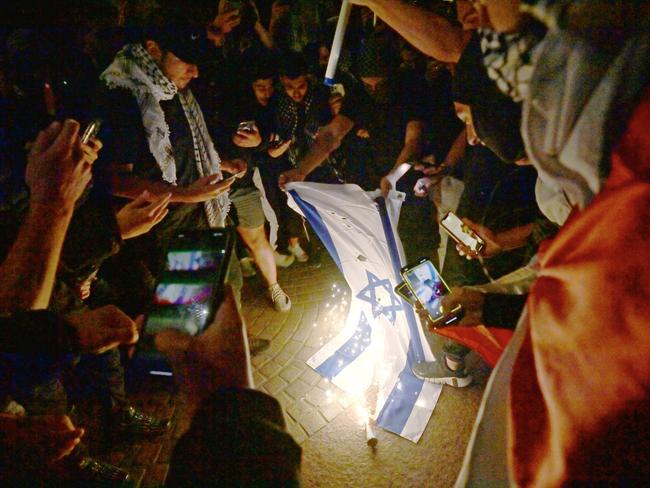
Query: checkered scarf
(509, 59)
(135, 70)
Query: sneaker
(247, 268)
(438, 372)
(256, 346)
(98, 473)
(128, 420)
(281, 301)
(283, 260)
(299, 253)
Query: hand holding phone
(462, 234)
(190, 290)
(429, 289)
(91, 130)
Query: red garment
(488, 342)
(580, 391)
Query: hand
(244, 138)
(234, 166)
(491, 248)
(386, 185)
(139, 216)
(58, 168)
(83, 289)
(215, 359)
(430, 169)
(278, 10)
(291, 176)
(422, 186)
(103, 329)
(37, 442)
(223, 23)
(279, 150)
(91, 150)
(205, 189)
(472, 302)
(335, 102)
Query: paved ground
(322, 418)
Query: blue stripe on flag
(349, 351)
(316, 221)
(402, 398)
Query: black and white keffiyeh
(135, 70)
(509, 59)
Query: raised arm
(429, 32)
(58, 171)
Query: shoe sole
(451, 380)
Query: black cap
(188, 42)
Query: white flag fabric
(382, 337)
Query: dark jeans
(37, 382)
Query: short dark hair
(259, 64)
(293, 65)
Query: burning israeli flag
(382, 337)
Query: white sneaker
(299, 253)
(247, 268)
(283, 260)
(281, 301)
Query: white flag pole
(339, 36)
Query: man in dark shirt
(156, 140)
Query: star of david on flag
(382, 336)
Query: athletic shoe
(247, 268)
(438, 372)
(256, 345)
(299, 253)
(92, 472)
(281, 301)
(283, 260)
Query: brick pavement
(320, 416)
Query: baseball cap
(188, 42)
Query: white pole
(339, 36)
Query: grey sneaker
(281, 301)
(299, 253)
(283, 260)
(438, 372)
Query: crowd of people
(527, 118)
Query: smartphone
(190, 289)
(460, 233)
(428, 288)
(337, 89)
(247, 126)
(91, 130)
(405, 292)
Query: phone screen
(427, 285)
(459, 231)
(188, 293)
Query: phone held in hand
(460, 233)
(429, 289)
(405, 292)
(91, 130)
(191, 288)
(246, 126)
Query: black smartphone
(405, 292)
(246, 126)
(191, 288)
(91, 130)
(428, 287)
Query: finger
(123, 329)
(219, 186)
(69, 133)
(65, 443)
(46, 137)
(159, 216)
(95, 143)
(141, 201)
(159, 205)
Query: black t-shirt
(125, 143)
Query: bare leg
(259, 246)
